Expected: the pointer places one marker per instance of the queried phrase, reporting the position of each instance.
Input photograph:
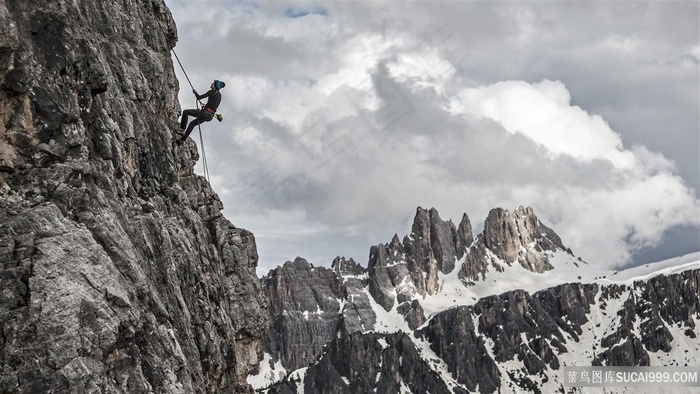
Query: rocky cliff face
(118, 272)
(401, 273)
(365, 363)
(309, 306)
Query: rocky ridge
(518, 342)
(118, 272)
(403, 273)
(363, 363)
(509, 238)
(526, 338)
(456, 298)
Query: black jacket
(213, 101)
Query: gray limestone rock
(530, 332)
(345, 267)
(304, 307)
(366, 363)
(510, 237)
(310, 305)
(118, 272)
(534, 331)
(399, 272)
(653, 305)
(357, 313)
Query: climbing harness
(198, 104)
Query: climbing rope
(197, 104)
(204, 154)
(183, 68)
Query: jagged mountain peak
(509, 238)
(523, 226)
(405, 282)
(309, 306)
(299, 262)
(400, 270)
(343, 266)
(439, 239)
(419, 267)
(301, 286)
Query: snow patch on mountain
(648, 271)
(567, 269)
(268, 373)
(452, 291)
(387, 322)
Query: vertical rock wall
(309, 306)
(118, 272)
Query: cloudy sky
(341, 118)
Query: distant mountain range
(442, 311)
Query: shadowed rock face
(363, 363)
(309, 306)
(304, 311)
(118, 272)
(400, 272)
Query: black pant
(200, 116)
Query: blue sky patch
(299, 12)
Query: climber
(205, 114)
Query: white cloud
(607, 221)
(543, 113)
(604, 200)
(341, 121)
